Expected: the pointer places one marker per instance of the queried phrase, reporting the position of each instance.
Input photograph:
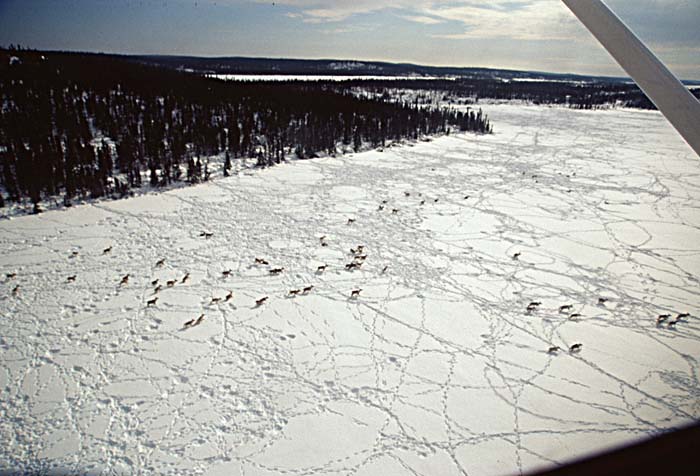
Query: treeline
(578, 95)
(86, 125)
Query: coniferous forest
(575, 95)
(88, 125)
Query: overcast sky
(516, 34)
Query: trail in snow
(435, 367)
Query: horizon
(524, 35)
(622, 76)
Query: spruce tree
(227, 164)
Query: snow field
(436, 367)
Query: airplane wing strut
(669, 95)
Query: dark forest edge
(82, 126)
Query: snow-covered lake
(436, 368)
(313, 77)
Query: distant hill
(244, 65)
(329, 67)
(247, 65)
